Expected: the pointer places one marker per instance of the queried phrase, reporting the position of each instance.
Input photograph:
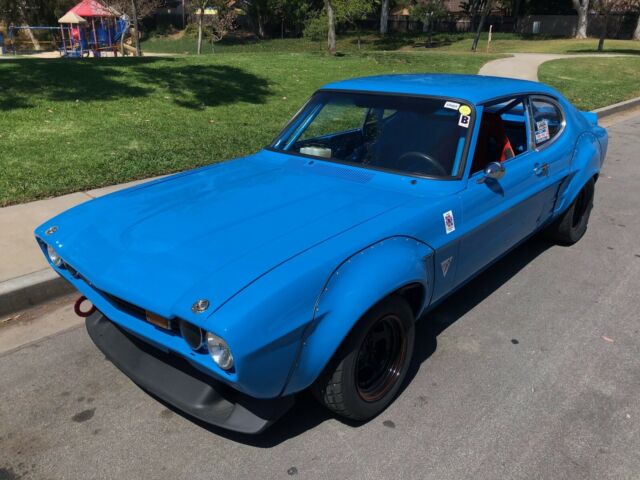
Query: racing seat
(493, 145)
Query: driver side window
(503, 133)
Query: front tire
(369, 368)
(572, 225)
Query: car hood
(210, 232)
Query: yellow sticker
(465, 110)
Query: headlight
(219, 351)
(53, 256)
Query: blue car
(226, 290)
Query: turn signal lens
(53, 256)
(219, 351)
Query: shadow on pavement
(308, 413)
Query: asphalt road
(531, 371)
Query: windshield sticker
(464, 121)
(449, 224)
(465, 110)
(542, 131)
(452, 105)
(444, 265)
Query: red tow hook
(79, 311)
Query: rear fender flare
(355, 286)
(585, 164)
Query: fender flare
(355, 286)
(585, 164)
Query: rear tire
(572, 224)
(367, 371)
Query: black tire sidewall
(360, 409)
(564, 232)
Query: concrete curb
(38, 287)
(28, 290)
(618, 107)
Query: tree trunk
(200, 28)
(483, 17)
(331, 37)
(603, 31)
(636, 33)
(384, 17)
(516, 15)
(582, 7)
(136, 33)
(22, 9)
(260, 21)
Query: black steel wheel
(368, 370)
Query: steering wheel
(414, 162)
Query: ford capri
(226, 290)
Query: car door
(552, 152)
(498, 213)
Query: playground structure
(88, 29)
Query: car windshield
(404, 134)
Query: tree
(384, 17)
(635, 7)
(292, 12)
(258, 12)
(485, 12)
(219, 21)
(428, 12)
(472, 9)
(516, 14)
(352, 12)
(582, 8)
(136, 10)
(331, 23)
(604, 8)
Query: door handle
(541, 170)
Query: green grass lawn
(591, 83)
(502, 43)
(73, 125)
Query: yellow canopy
(71, 17)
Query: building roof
(93, 8)
(473, 88)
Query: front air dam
(175, 381)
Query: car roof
(473, 88)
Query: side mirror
(494, 171)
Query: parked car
(225, 290)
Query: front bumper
(175, 381)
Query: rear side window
(547, 120)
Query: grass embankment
(502, 43)
(591, 83)
(73, 125)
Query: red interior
(493, 144)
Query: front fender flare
(355, 286)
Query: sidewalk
(524, 66)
